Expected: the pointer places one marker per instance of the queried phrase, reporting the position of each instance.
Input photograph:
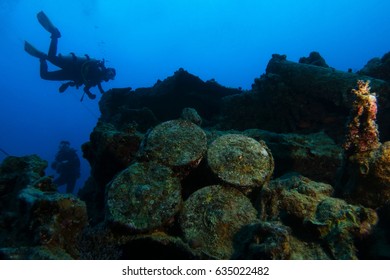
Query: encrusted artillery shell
(211, 218)
(143, 197)
(240, 160)
(176, 143)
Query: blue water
(229, 41)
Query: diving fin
(31, 50)
(48, 25)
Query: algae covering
(143, 197)
(240, 161)
(36, 221)
(309, 210)
(179, 144)
(211, 218)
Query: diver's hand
(87, 92)
(101, 89)
(91, 96)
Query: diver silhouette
(67, 165)
(76, 70)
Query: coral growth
(364, 176)
(313, 215)
(36, 222)
(362, 135)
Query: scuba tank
(88, 70)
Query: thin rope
(86, 108)
(4, 152)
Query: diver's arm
(100, 88)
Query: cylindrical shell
(178, 144)
(143, 197)
(240, 160)
(211, 218)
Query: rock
(190, 114)
(146, 246)
(366, 180)
(144, 165)
(36, 221)
(314, 155)
(303, 249)
(211, 218)
(240, 161)
(377, 246)
(308, 208)
(293, 197)
(178, 144)
(117, 110)
(380, 167)
(143, 197)
(92, 194)
(158, 246)
(109, 151)
(314, 59)
(142, 119)
(100, 242)
(45, 184)
(33, 253)
(166, 99)
(15, 174)
(263, 241)
(378, 68)
(54, 220)
(301, 98)
(341, 225)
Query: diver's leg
(59, 75)
(70, 185)
(55, 34)
(52, 54)
(43, 69)
(57, 60)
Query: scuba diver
(75, 70)
(67, 164)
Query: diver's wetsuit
(67, 164)
(79, 70)
(76, 70)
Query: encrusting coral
(362, 134)
(364, 174)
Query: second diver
(77, 71)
